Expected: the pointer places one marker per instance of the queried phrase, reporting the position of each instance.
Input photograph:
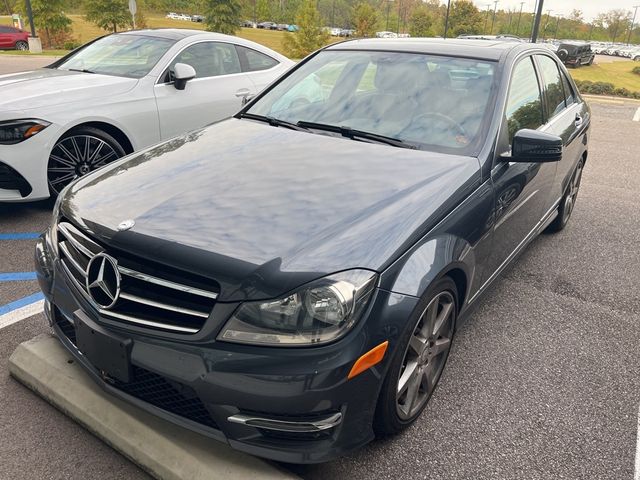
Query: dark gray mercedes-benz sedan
(290, 280)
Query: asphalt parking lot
(542, 383)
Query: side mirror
(182, 73)
(534, 146)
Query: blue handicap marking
(23, 302)
(19, 236)
(17, 276)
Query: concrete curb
(162, 449)
(610, 99)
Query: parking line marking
(636, 117)
(19, 236)
(17, 276)
(636, 475)
(20, 309)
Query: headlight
(317, 313)
(16, 131)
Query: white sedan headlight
(16, 131)
(317, 313)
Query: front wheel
(568, 201)
(21, 45)
(79, 152)
(419, 360)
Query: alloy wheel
(22, 46)
(75, 156)
(425, 356)
(572, 194)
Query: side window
(524, 104)
(254, 61)
(368, 80)
(569, 95)
(554, 94)
(5, 30)
(209, 59)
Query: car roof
(168, 33)
(481, 49)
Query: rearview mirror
(534, 146)
(182, 73)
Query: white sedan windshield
(122, 55)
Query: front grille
(12, 180)
(150, 295)
(167, 395)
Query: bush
(71, 45)
(636, 70)
(605, 88)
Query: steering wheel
(461, 135)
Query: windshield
(437, 103)
(122, 55)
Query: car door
(566, 117)
(521, 190)
(6, 37)
(214, 94)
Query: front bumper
(220, 389)
(26, 162)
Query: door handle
(243, 92)
(578, 121)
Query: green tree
(365, 19)
(465, 19)
(311, 35)
(223, 16)
(616, 22)
(53, 25)
(421, 22)
(108, 14)
(263, 11)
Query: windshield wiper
(83, 70)
(274, 122)
(353, 134)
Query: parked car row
(184, 16)
(385, 34)
(619, 50)
(283, 27)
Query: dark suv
(575, 54)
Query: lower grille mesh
(172, 397)
(152, 388)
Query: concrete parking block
(162, 449)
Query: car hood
(264, 209)
(49, 87)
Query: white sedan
(119, 94)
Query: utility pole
(495, 7)
(536, 22)
(446, 19)
(635, 11)
(486, 19)
(30, 15)
(519, 17)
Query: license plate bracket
(106, 351)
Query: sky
(590, 8)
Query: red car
(11, 37)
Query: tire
(568, 201)
(78, 152)
(22, 45)
(396, 409)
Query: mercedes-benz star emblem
(126, 225)
(103, 280)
